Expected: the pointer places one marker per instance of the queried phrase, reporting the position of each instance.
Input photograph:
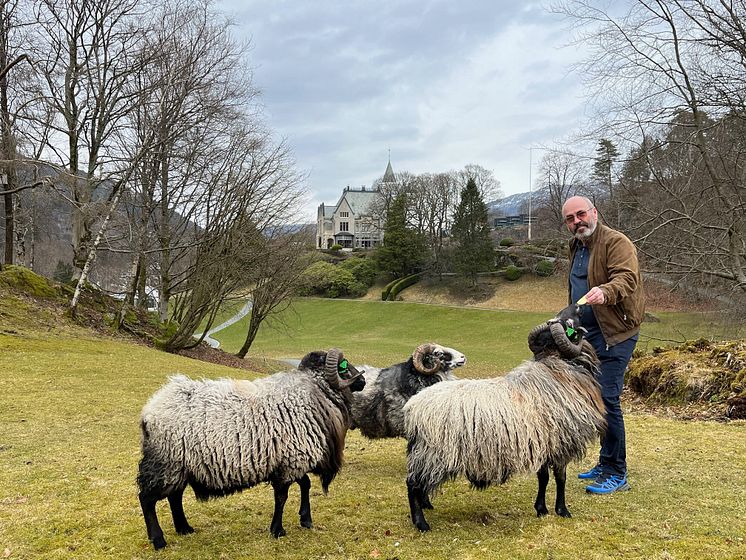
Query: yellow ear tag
(581, 301)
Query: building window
(344, 226)
(344, 214)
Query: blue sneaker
(595, 472)
(609, 484)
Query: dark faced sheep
(543, 413)
(377, 409)
(222, 436)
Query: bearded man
(605, 272)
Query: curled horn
(331, 369)
(330, 366)
(535, 348)
(566, 347)
(418, 359)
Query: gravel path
(237, 317)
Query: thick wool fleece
(224, 435)
(545, 411)
(377, 409)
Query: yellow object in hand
(581, 301)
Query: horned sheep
(377, 410)
(542, 414)
(222, 436)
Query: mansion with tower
(355, 221)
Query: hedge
(402, 284)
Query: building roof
(359, 201)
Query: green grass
(69, 447)
(383, 333)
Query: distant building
(512, 221)
(354, 222)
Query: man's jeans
(614, 360)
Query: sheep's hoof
(306, 523)
(541, 511)
(184, 530)
(563, 512)
(159, 543)
(422, 526)
(277, 533)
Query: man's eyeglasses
(580, 215)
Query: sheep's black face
(570, 319)
(313, 361)
(358, 384)
(347, 372)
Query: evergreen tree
(404, 250)
(471, 231)
(606, 155)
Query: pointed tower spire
(388, 176)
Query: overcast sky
(440, 83)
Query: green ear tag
(569, 331)
(343, 365)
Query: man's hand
(595, 296)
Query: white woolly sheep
(222, 436)
(543, 413)
(377, 409)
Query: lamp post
(530, 188)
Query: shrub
(364, 270)
(326, 280)
(401, 284)
(387, 290)
(512, 273)
(336, 247)
(507, 242)
(545, 268)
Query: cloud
(442, 84)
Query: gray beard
(587, 233)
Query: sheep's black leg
(177, 512)
(540, 505)
(155, 533)
(560, 476)
(305, 502)
(281, 496)
(425, 500)
(416, 496)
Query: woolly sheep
(377, 409)
(543, 413)
(222, 436)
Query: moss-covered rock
(696, 371)
(24, 280)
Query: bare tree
(489, 187)
(193, 95)
(673, 70)
(561, 174)
(11, 19)
(439, 199)
(277, 279)
(86, 51)
(252, 193)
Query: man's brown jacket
(613, 267)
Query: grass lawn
(383, 333)
(69, 447)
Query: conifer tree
(404, 250)
(471, 232)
